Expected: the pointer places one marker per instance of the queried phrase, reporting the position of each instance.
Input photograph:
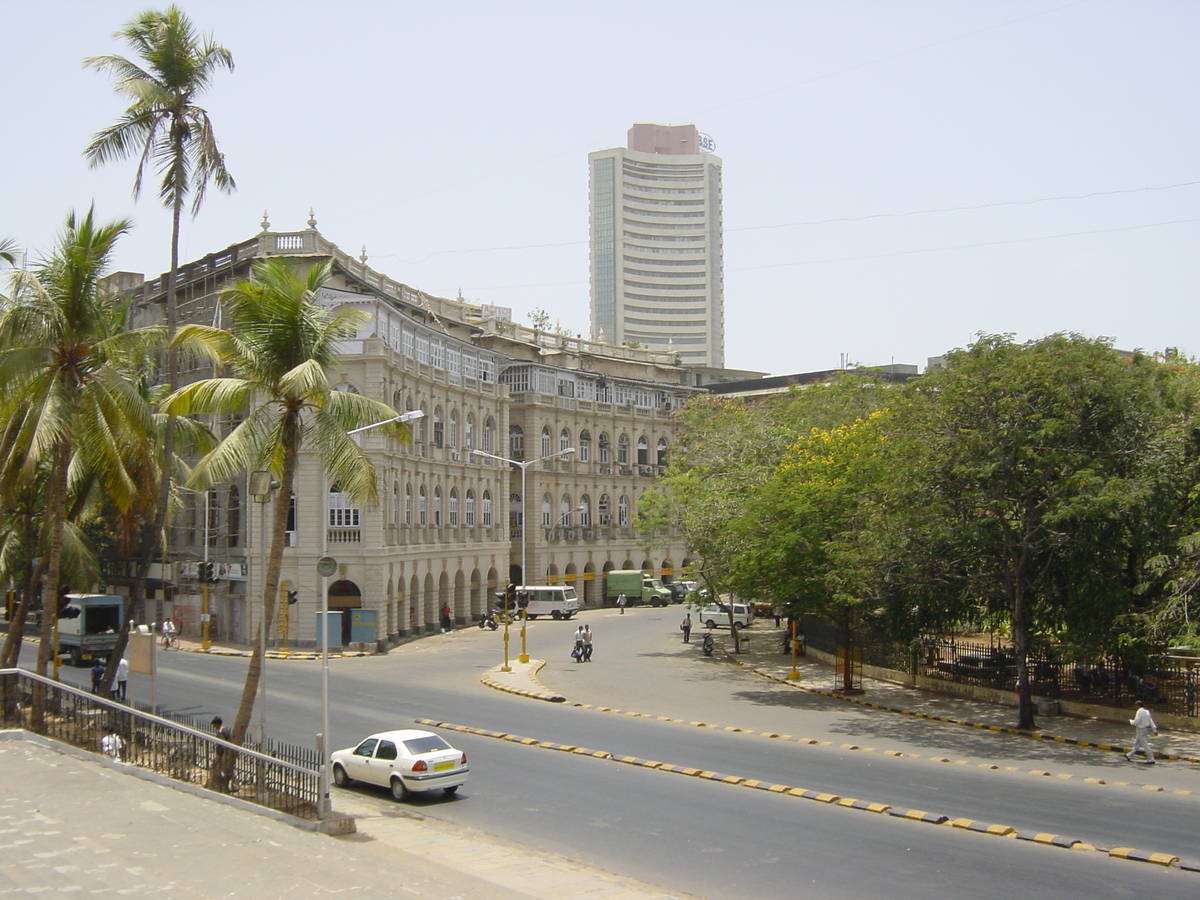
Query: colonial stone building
(452, 524)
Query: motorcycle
(488, 620)
(707, 644)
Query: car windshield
(427, 744)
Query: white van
(557, 601)
(718, 614)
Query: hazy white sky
(898, 174)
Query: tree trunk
(1020, 634)
(56, 508)
(290, 439)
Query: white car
(718, 614)
(407, 761)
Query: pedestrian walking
(621, 601)
(1142, 722)
(97, 676)
(111, 744)
(587, 643)
(122, 680)
(447, 622)
(686, 627)
(223, 760)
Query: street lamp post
(523, 466)
(326, 566)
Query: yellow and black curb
(1036, 735)
(488, 681)
(855, 747)
(914, 815)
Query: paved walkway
(72, 821)
(762, 655)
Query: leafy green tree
(281, 347)
(794, 519)
(1027, 454)
(166, 128)
(64, 386)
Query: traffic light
(206, 572)
(523, 599)
(510, 597)
(292, 597)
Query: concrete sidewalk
(74, 821)
(762, 655)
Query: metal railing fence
(278, 776)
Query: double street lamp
(523, 466)
(326, 566)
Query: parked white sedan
(407, 761)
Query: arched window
(564, 510)
(452, 437)
(605, 449)
(546, 510)
(489, 435)
(585, 511)
(546, 440)
(623, 450)
(422, 507)
(486, 510)
(423, 430)
(437, 507)
(643, 451)
(662, 451)
(516, 442)
(604, 510)
(469, 512)
(408, 504)
(623, 511)
(469, 433)
(439, 428)
(395, 502)
(564, 440)
(585, 445)
(397, 399)
(453, 507)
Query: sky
(899, 176)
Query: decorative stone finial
(363, 256)
(266, 223)
(312, 219)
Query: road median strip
(914, 815)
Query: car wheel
(399, 791)
(340, 778)
(555, 614)
(711, 624)
(450, 790)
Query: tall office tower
(656, 259)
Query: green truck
(637, 586)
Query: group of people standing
(583, 644)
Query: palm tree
(280, 346)
(166, 128)
(64, 387)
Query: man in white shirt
(1142, 722)
(112, 744)
(122, 679)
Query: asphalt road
(703, 837)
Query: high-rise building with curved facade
(656, 247)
